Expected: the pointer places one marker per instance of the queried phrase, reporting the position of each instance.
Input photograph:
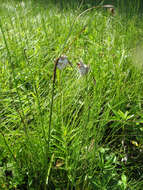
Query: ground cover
(60, 130)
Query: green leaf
(124, 180)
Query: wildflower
(82, 68)
(124, 159)
(62, 62)
(134, 143)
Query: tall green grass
(59, 130)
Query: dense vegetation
(60, 130)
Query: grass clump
(59, 130)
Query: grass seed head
(62, 62)
(82, 68)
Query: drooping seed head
(62, 62)
(82, 68)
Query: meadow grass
(59, 130)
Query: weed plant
(59, 130)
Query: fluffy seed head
(82, 68)
(62, 62)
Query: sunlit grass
(93, 119)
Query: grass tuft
(59, 129)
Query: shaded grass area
(96, 129)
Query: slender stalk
(76, 37)
(50, 123)
(52, 102)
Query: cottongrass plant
(82, 68)
(60, 131)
